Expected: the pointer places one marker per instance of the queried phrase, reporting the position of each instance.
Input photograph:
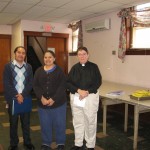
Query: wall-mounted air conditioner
(103, 24)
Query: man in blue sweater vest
(17, 80)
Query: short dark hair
(51, 52)
(18, 48)
(82, 48)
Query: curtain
(123, 14)
(74, 27)
(140, 18)
(122, 40)
(80, 35)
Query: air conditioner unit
(98, 25)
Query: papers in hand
(78, 102)
(115, 93)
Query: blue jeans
(53, 119)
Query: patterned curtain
(74, 27)
(80, 35)
(123, 14)
(140, 18)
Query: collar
(17, 64)
(83, 65)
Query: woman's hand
(44, 101)
(50, 102)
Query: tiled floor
(115, 139)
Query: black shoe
(77, 148)
(13, 148)
(60, 147)
(29, 146)
(45, 147)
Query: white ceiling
(60, 11)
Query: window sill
(138, 52)
(73, 54)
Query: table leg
(104, 118)
(136, 122)
(126, 118)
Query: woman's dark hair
(51, 52)
(82, 48)
(18, 48)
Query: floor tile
(69, 131)
(5, 124)
(20, 139)
(98, 148)
(2, 113)
(101, 124)
(53, 145)
(139, 138)
(1, 147)
(35, 128)
(100, 135)
(34, 110)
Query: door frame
(47, 34)
(6, 36)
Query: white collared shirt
(17, 64)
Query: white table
(139, 106)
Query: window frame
(73, 53)
(129, 50)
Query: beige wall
(6, 29)
(27, 25)
(71, 61)
(16, 39)
(135, 70)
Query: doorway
(54, 41)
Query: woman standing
(50, 88)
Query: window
(138, 37)
(77, 37)
(139, 7)
(138, 41)
(75, 40)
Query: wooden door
(5, 55)
(58, 44)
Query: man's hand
(19, 98)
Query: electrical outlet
(114, 52)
